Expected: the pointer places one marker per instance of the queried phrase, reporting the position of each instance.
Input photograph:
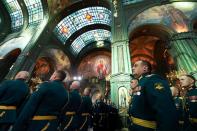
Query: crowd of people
(154, 106)
(52, 106)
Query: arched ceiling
(34, 8)
(78, 21)
(74, 27)
(98, 35)
(81, 18)
(35, 11)
(16, 14)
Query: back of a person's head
(22, 75)
(149, 67)
(61, 75)
(87, 91)
(75, 85)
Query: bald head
(22, 75)
(75, 85)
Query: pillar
(184, 51)
(121, 64)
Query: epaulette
(149, 75)
(181, 98)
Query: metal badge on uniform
(159, 86)
(138, 93)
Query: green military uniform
(191, 109)
(43, 108)
(12, 95)
(100, 116)
(178, 101)
(114, 121)
(85, 113)
(153, 107)
(69, 116)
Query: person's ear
(145, 68)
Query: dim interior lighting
(184, 5)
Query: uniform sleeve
(29, 108)
(160, 100)
(3, 87)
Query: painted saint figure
(101, 69)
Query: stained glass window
(80, 19)
(35, 11)
(89, 37)
(15, 13)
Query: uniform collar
(192, 87)
(144, 75)
(20, 79)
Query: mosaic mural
(95, 65)
(172, 15)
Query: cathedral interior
(97, 41)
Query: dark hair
(146, 63)
(135, 79)
(61, 74)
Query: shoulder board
(149, 75)
(181, 98)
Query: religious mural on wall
(95, 65)
(142, 48)
(171, 15)
(49, 61)
(123, 97)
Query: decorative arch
(7, 62)
(12, 44)
(150, 42)
(171, 15)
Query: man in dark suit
(12, 95)
(44, 105)
(152, 107)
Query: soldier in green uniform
(12, 95)
(114, 120)
(100, 114)
(188, 82)
(179, 103)
(43, 107)
(69, 116)
(85, 113)
(133, 91)
(152, 107)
